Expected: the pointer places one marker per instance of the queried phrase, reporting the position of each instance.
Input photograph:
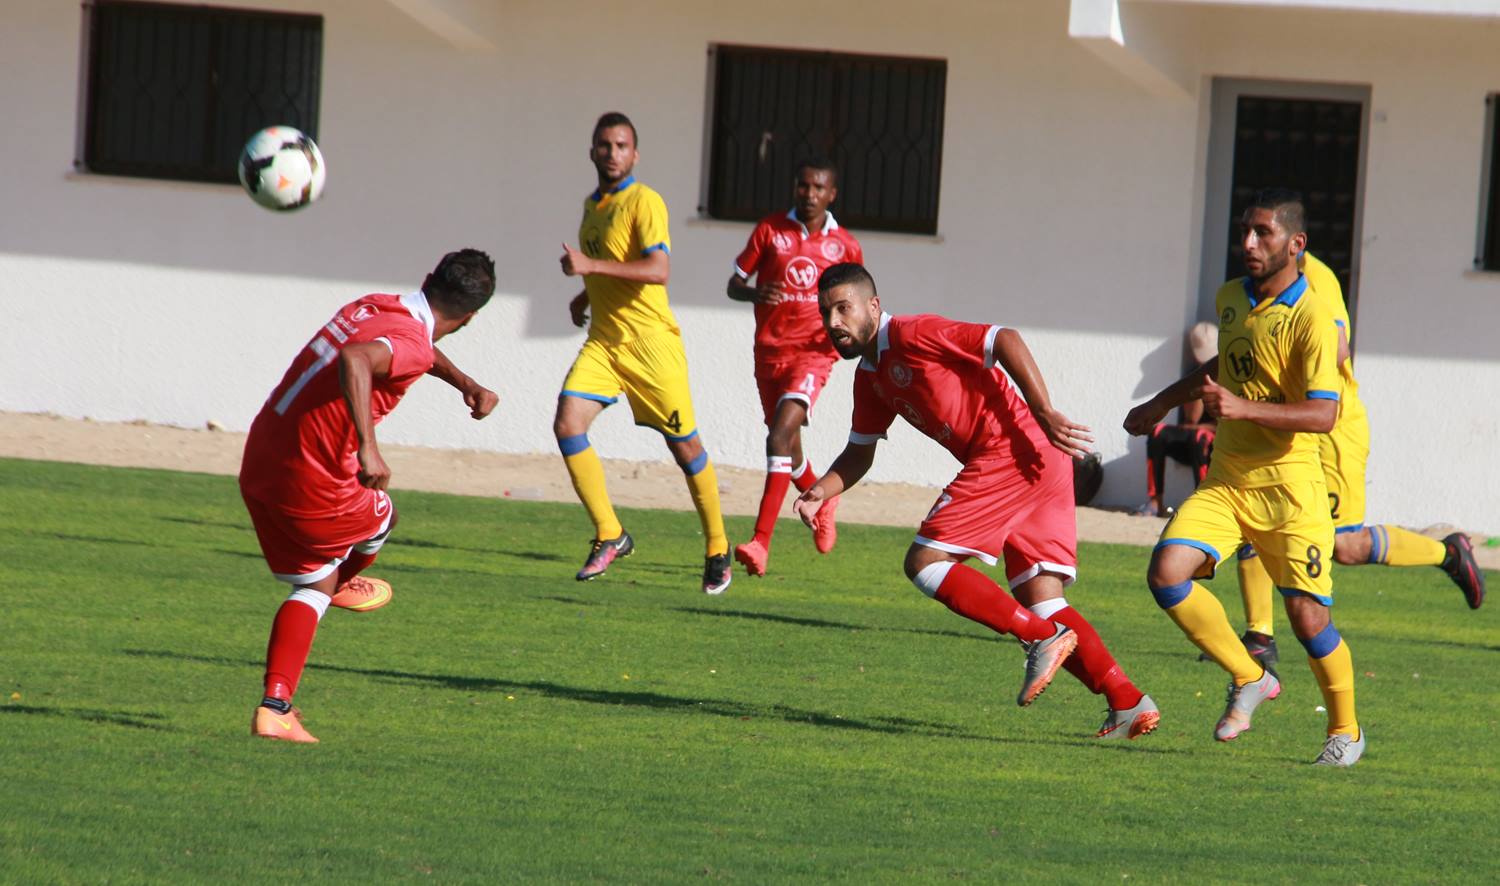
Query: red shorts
(800, 378)
(993, 510)
(302, 549)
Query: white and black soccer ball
(282, 169)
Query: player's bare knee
(919, 557)
(686, 452)
(1307, 616)
(1352, 548)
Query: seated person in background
(1191, 441)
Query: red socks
(779, 475)
(291, 641)
(1093, 665)
(971, 594)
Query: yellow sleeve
(1325, 284)
(1317, 352)
(651, 224)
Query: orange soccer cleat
(282, 727)
(360, 594)
(827, 532)
(753, 556)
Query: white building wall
(1071, 208)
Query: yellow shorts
(652, 374)
(1288, 525)
(1344, 452)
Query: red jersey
(783, 252)
(301, 454)
(940, 375)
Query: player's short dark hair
(614, 118)
(1287, 206)
(845, 272)
(819, 162)
(461, 283)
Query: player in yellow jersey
(1274, 387)
(633, 348)
(1344, 451)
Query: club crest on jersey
(1226, 318)
(901, 375)
(912, 414)
(801, 273)
(782, 242)
(364, 313)
(833, 250)
(1240, 360)
(382, 503)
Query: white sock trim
(318, 601)
(1048, 608)
(778, 464)
(930, 578)
(801, 469)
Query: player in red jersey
(976, 390)
(312, 476)
(793, 356)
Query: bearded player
(313, 478)
(1344, 452)
(793, 356)
(1274, 388)
(976, 390)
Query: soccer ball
(282, 169)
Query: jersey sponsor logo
(801, 273)
(912, 414)
(1226, 318)
(364, 313)
(783, 242)
(901, 375)
(1239, 359)
(833, 250)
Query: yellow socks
(1394, 546)
(703, 483)
(587, 473)
(1333, 667)
(1256, 588)
(1201, 616)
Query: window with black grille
(1488, 257)
(879, 118)
(174, 91)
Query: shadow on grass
(91, 715)
(400, 542)
(216, 523)
(729, 709)
(571, 601)
(820, 623)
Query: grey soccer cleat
(1131, 723)
(1241, 702)
(1341, 750)
(1043, 658)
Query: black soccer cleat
(1460, 566)
(1262, 648)
(716, 573)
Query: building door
(1305, 136)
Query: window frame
(215, 164)
(1487, 243)
(837, 66)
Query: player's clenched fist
(807, 506)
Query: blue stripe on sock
(574, 444)
(697, 465)
(1325, 642)
(1379, 541)
(1245, 552)
(1171, 595)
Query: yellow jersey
(625, 224)
(1273, 350)
(1324, 284)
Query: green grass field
(501, 722)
